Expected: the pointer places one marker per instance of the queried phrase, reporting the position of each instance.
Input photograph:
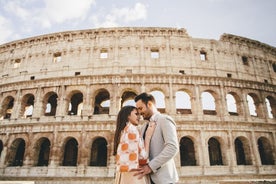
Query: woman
(128, 147)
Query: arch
(50, 104)
(159, 100)
(16, 152)
(75, 105)
(42, 151)
(215, 156)
(208, 103)
(127, 98)
(183, 102)
(70, 153)
(27, 105)
(253, 104)
(187, 152)
(242, 150)
(7, 107)
(271, 106)
(102, 102)
(99, 152)
(231, 104)
(265, 151)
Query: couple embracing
(146, 156)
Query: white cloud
(17, 8)
(117, 15)
(63, 10)
(131, 14)
(7, 32)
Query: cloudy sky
(254, 19)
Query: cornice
(250, 42)
(138, 79)
(93, 33)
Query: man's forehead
(139, 103)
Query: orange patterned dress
(130, 149)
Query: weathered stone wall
(70, 63)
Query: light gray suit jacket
(163, 148)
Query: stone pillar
(256, 160)
(86, 111)
(171, 100)
(231, 156)
(38, 104)
(204, 155)
(115, 103)
(198, 105)
(83, 156)
(245, 107)
(55, 151)
(3, 156)
(168, 104)
(61, 107)
(222, 105)
(17, 106)
(28, 155)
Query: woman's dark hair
(122, 119)
(145, 97)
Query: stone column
(256, 160)
(3, 156)
(86, 111)
(204, 155)
(171, 100)
(17, 106)
(61, 107)
(38, 104)
(28, 155)
(198, 105)
(222, 105)
(115, 103)
(55, 151)
(232, 158)
(246, 108)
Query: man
(163, 145)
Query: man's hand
(142, 171)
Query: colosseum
(60, 94)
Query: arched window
(265, 151)
(128, 98)
(16, 152)
(70, 153)
(251, 106)
(7, 107)
(102, 102)
(183, 103)
(44, 152)
(159, 100)
(208, 103)
(239, 152)
(271, 106)
(51, 105)
(27, 105)
(214, 152)
(99, 153)
(187, 152)
(75, 106)
(231, 104)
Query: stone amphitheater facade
(60, 94)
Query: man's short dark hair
(145, 97)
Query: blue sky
(254, 19)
